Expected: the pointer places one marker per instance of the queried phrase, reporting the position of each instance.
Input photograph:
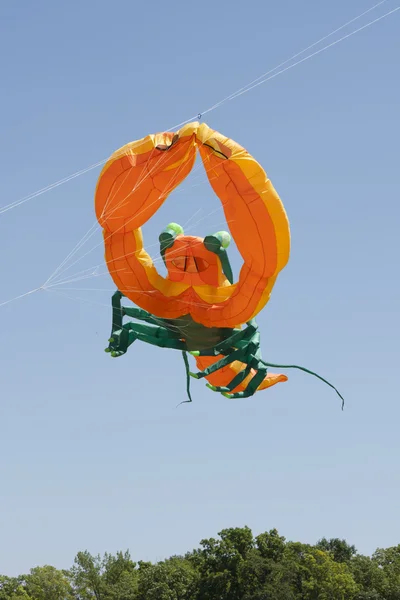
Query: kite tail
(274, 366)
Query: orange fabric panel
(189, 260)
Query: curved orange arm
(132, 186)
(257, 221)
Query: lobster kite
(197, 308)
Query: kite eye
(217, 244)
(167, 237)
(217, 241)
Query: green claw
(226, 395)
(107, 350)
(211, 387)
(111, 340)
(195, 352)
(193, 375)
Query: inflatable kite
(197, 308)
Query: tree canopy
(236, 565)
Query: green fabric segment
(274, 366)
(186, 361)
(141, 315)
(217, 243)
(168, 236)
(196, 335)
(238, 338)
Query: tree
(388, 561)
(173, 579)
(13, 588)
(48, 583)
(86, 577)
(369, 577)
(107, 578)
(340, 550)
(263, 578)
(120, 576)
(316, 576)
(219, 563)
(271, 545)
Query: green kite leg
(154, 335)
(223, 362)
(117, 314)
(252, 386)
(237, 339)
(246, 354)
(141, 315)
(187, 369)
(120, 311)
(162, 342)
(251, 361)
(237, 380)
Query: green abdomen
(197, 336)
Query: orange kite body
(137, 180)
(133, 185)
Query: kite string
(21, 296)
(50, 187)
(121, 227)
(118, 205)
(78, 245)
(310, 55)
(95, 225)
(243, 89)
(239, 92)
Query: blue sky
(94, 453)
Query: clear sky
(94, 453)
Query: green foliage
(388, 563)
(12, 588)
(340, 549)
(107, 578)
(47, 583)
(234, 566)
(173, 579)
